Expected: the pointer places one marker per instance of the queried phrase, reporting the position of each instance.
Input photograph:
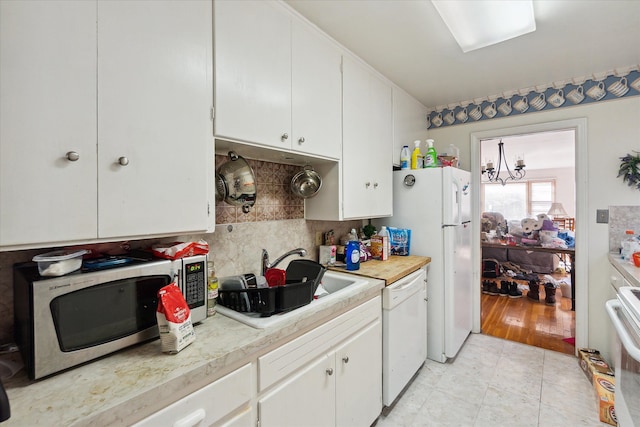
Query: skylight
(481, 23)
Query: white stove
(625, 316)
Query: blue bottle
(352, 255)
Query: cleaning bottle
(212, 289)
(386, 243)
(404, 157)
(416, 156)
(352, 255)
(431, 158)
(629, 245)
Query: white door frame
(582, 238)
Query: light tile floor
(494, 382)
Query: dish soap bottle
(416, 156)
(404, 157)
(431, 158)
(352, 255)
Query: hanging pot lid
(235, 182)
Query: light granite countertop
(627, 268)
(136, 382)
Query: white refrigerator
(435, 203)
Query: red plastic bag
(177, 250)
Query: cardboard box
(379, 247)
(591, 362)
(604, 386)
(400, 241)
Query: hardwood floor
(526, 321)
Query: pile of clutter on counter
(363, 245)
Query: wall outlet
(602, 216)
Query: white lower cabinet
(225, 402)
(331, 376)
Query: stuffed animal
(530, 225)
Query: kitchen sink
(338, 285)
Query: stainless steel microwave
(66, 321)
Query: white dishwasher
(404, 332)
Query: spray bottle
(416, 156)
(431, 158)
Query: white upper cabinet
(105, 127)
(47, 121)
(277, 80)
(253, 72)
(155, 92)
(409, 123)
(317, 93)
(367, 170)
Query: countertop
(133, 383)
(391, 270)
(627, 268)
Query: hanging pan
(306, 183)
(235, 182)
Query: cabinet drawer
(283, 361)
(209, 404)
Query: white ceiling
(407, 41)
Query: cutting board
(395, 268)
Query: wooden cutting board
(395, 268)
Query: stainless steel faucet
(265, 258)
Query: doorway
(581, 280)
(531, 299)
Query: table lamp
(557, 211)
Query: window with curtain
(517, 200)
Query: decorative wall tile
(578, 91)
(274, 200)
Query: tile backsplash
(274, 199)
(621, 219)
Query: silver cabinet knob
(375, 185)
(345, 359)
(329, 371)
(123, 161)
(301, 140)
(367, 184)
(73, 156)
(284, 137)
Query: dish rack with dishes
(302, 280)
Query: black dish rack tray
(303, 277)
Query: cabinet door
(316, 93)
(359, 378)
(367, 143)
(155, 139)
(253, 72)
(47, 109)
(307, 398)
(409, 122)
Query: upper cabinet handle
(301, 140)
(73, 156)
(284, 137)
(123, 161)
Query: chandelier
(493, 173)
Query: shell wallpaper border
(569, 93)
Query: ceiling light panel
(477, 24)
